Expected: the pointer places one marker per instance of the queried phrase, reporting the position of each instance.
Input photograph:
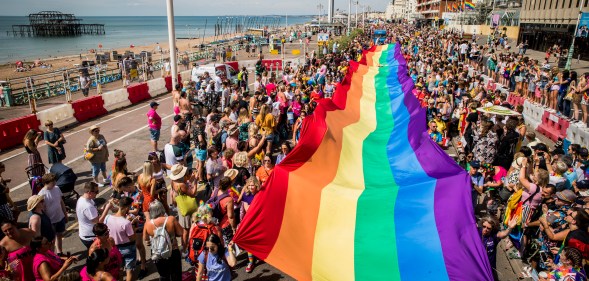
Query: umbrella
(498, 110)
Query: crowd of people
(523, 191)
(227, 136)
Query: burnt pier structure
(55, 24)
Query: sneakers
(250, 267)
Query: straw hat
(231, 173)
(34, 201)
(178, 171)
(567, 196)
(92, 128)
(232, 130)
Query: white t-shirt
(170, 156)
(53, 204)
(86, 211)
(463, 48)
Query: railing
(55, 84)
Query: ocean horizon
(121, 31)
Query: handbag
(88, 155)
(186, 204)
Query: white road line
(80, 157)
(84, 129)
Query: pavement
(580, 66)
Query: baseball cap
(541, 147)
(475, 164)
(153, 103)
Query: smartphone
(543, 257)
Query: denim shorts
(129, 254)
(97, 168)
(154, 134)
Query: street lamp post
(349, 15)
(320, 7)
(572, 48)
(356, 17)
(172, 42)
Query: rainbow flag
(469, 5)
(366, 194)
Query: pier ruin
(55, 24)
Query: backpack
(161, 244)
(197, 240)
(215, 203)
(217, 141)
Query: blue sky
(181, 7)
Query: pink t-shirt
(500, 175)
(232, 143)
(119, 228)
(536, 200)
(154, 121)
(270, 87)
(52, 260)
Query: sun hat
(33, 201)
(566, 195)
(231, 173)
(178, 171)
(232, 130)
(92, 128)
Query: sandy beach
(8, 70)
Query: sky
(181, 7)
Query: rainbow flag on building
(366, 194)
(469, 5)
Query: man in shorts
(54, 208)
(154, 121)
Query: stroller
(66, 180)
(34, 175)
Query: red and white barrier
(116, 99)
(61, 115)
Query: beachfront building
(545, 23)
(396, 10)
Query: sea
(122, 32)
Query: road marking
(80, 157)
(84, 129)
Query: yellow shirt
(266, 124)
(441, 125)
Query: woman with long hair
(216, 259)
(119, 172)
(46, 264)
(267, 123)
(147, 185)
(104, 242)
(251, 188)
(17, 241)
(243, 122)
(95, 264)
(30, 141)
(554, 85)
